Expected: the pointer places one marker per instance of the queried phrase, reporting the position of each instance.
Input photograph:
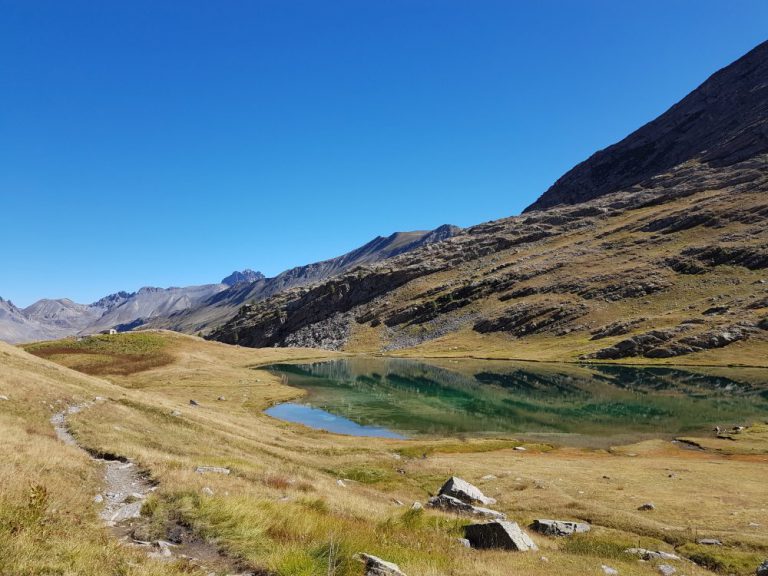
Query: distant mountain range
(191, 308)
(656, 247)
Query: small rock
(608, 571)
(666, 569)
(520, 448)
(397, 502)
(559, 527)
(175, 413)
(98, 498)
(193, 403)
(499, 534)
(416, 506)
(754, 525)
(709, 542)
(221, 398)
(375, 566)
(341, 483)
(647, 506)
(464, 542)
(212, 470)
(489, 477)
(3, 397)
(651, 554)
(207, 491)
(464, 491)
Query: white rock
(212, 470)
(608, 571)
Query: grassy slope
(321, 523)
(614, 244)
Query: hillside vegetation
(282, 510)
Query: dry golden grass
(281, 508)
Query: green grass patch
(722, 559)
(118, 354)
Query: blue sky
(168, 143)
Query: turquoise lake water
(392, 397)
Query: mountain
(656, 247)
(221, 307)
(244, 276)
(16, 327)
(720, 124)
(192, 308)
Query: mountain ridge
(708, 125)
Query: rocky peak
(721, 123)
(239, 277)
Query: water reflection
(489, 397)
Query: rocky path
(126, 487)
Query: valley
(302, 501)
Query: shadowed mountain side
(721, 123)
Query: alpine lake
(588, 405)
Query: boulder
(762, 570)
(499, 534)
(559, 527)
(451, 504)
(464, 491)
(375, 566)
(608, 571)
(666, 569)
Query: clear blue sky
(168, 143)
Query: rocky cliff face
(720, 124)
(655, 248)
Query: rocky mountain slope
(721, 123)
(653, 248)
(191, 308)
(219, 308)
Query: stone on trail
(464, 491)
(375, 566)
(126, 512)
(559, 527)
(451, 504)
(212, 470)
(499, 534)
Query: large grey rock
(375, 566)
(762, 570)
(499, 534)
(559, 527)
(451, 504)
(464, 491)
